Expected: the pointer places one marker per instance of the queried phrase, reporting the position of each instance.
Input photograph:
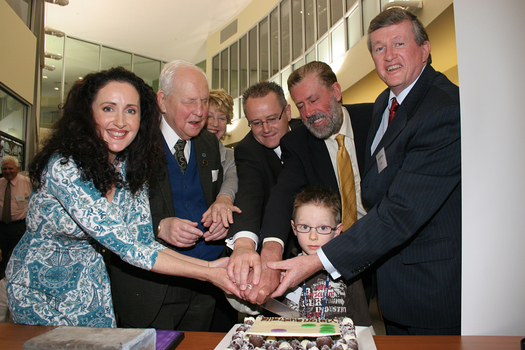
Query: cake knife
(280, 309)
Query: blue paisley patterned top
(55, 275)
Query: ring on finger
(250, 286)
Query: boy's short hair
(319, 196)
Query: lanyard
(325, 296)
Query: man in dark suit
(258, 160)
(186, 186)
(309, 155)
(412, 183)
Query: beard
(333, 121)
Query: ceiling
(161, 29)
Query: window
(285, 33)
(114, 58)
(224, 71)
(253, 56)
(148, 69)
(234, 69)
(264, 46)
(297, 29)
(274, 42)
(12, 120)
(322, 18)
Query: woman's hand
(222, 209)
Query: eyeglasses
(270, 121)
(322, 230)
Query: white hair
(169, 71)
(9, 159)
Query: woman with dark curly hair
(89, 191)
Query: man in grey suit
(186, 186)
(412, 185)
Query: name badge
(381, 160)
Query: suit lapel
(403, 115)
(321, 158)
(163, 179)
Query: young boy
(316, 221)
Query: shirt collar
(169, 134)
(401, 97)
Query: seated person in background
(316, 221)
(220, 113)
(90, 189)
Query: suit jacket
(257, 170)
(307, 163)
(413, 229)
(138, 294)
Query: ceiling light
(49, 67)
(408, 5)
(58, 2)
(52, 55)
(53, 31)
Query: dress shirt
(171, 138)
(20, 190)
(379, 135)
(331, 144)
(384, 121)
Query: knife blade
(280, 309)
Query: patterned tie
(179, 155)
(393, 110)
(346, 183)
(6, 210)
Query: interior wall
(490, 60)
(18, 54)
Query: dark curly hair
(75, 136)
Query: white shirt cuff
(275, 239)
(230, 242)
(327, 264)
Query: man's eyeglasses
(322, 230)
(270, 121)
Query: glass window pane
(297, 28)
(336, 13)
(82, 58)
(243, 62)
(309, 23)
(147, 69)
(322, 50)
(113, 58)
(370, 10)
(286, 73)
(322, 18)
(310, 56)
(237, 109)
(263, 49)
(298, 64)
(215, 72)
(338, 42)
(234, 69)
(350, 4)
(51, 94)
(253, 56)
(285, 33)
(354, 28)
(277, 79)
(274, 42)
(224, 71)
(12, 121)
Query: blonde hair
(224, 103)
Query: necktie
(346, 183)
(179, 154)
(6, 210)
(393, 110)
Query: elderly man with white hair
(14, 194)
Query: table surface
(13, 336)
